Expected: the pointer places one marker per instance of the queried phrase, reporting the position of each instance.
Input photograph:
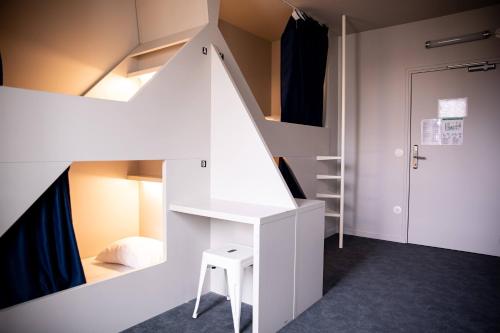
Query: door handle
(415, 157)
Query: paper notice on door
(452, 108)
(445, 132)
(430, 133)
(452, 131)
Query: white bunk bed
(197, 108)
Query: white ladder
(334, 196)
(338, 196)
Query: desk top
(240, 212)
(232, 211)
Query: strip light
(457, 40)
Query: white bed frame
(198, 107)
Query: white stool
(233, 258)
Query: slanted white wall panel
(242, 168)
(21, 185)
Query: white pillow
(135, 252)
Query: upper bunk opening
(126, 79)
(253, 32)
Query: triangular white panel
(242, 168)
(22, 184)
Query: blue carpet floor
(375, 286)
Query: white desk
(288, 254)
(232, 211)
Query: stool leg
(231, 275)
(203, 271)
(235, 281)
(227, 285)
(237, 294)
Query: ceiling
(267, 18)
(264, 18)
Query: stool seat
(233, 258)
(229, 253)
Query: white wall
(377, 116)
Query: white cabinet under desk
(288, 253)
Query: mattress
(97, 271)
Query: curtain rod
(290, 5)
(301, 10)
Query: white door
(455, 189)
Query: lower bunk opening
(117, 209)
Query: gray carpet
(375, 286)
(214, 315)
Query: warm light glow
(146, 77)
(115, 87)
(153, 188)
(273, 118)
(119, 88)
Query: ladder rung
(330, 213)
(328, 177)
(327, 196)
(328, 158)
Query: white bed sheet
(96, 270)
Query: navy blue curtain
(290, 179)
(39, 254)
(304, 49)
